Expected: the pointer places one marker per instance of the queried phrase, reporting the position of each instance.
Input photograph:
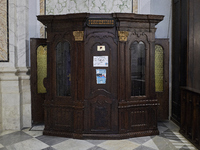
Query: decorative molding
(4, 52)
(135, 6)
(101, 36)
(42, 12)
(78, 35)
(123, 35)
(138, 36)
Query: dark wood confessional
(100, 75)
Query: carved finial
(123, 35)
(78, 35)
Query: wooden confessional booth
(100, 75)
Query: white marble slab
(151, 144)
(31, 144)
(92, 6)
(33, 133)
(75, 6)
(11, 113)
(6, 132)
(119, 145)
(73, 144)
(104, 6)
(22, 32)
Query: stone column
(15, 102)
(25, 97)
(10, 99)
(22, 61)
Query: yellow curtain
(158, 68)
(41, 68)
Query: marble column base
(25, 97)
(14, 99)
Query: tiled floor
(169, 139)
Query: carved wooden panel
(196, 119)
(63, 118)
(100, 115)
(123, 123)
(183, 110)
(139, 119)
(142, 119)
(78, 120)
(190, 115)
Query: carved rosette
(78, 35)
(123, 35)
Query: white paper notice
(100, 61)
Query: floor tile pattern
(32, 139)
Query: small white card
(100, 61)
(101, 48)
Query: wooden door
(38, 49)
(179, 53)
(162, 77)
(101, 113)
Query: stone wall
(92, 6)
(15, 108)
(3, 31)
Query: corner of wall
(9, 99)
(25, 97)
(15, 98)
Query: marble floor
(32, 139)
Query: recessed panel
(63, 69)
(137, 69)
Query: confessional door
(101, 113)
(38, 73)
(162, 77)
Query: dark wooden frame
(179, 54)
(190, 119)
(37, 99)
(133, 37)
(163, 97)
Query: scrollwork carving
(101, 35)
(140, 34)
